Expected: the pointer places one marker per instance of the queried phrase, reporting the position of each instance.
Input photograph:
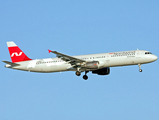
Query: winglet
(49, 51)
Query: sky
(75, 28)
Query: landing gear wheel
(85, 77)
(78, 73)
(140, 70)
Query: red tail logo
(17, 55)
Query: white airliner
(97, 63)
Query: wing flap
(75, 62)
(67, 58)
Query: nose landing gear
(140, 70)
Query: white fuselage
(113, 59)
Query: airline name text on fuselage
(129, 53)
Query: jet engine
(91, 65)
(103, 71)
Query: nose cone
(154, 57)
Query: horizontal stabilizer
(10, 63)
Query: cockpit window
(148, 53)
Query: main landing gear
(140, 70)
(78, 73)
(85, 77)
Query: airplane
(96, 63)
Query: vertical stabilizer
(16, 54)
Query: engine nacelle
(91, 65)
(103, 71)
(101, 64)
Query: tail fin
(16, 54)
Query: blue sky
(75, 28)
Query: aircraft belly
(21, 67)
(49, 68)
(57, 68)
(122, 62)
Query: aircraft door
(31, 64)
(107, 58)
(138, 54)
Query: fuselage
(112, 59)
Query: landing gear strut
(140, 70)
(78, 73)
(85, 77)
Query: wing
(72, 60)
